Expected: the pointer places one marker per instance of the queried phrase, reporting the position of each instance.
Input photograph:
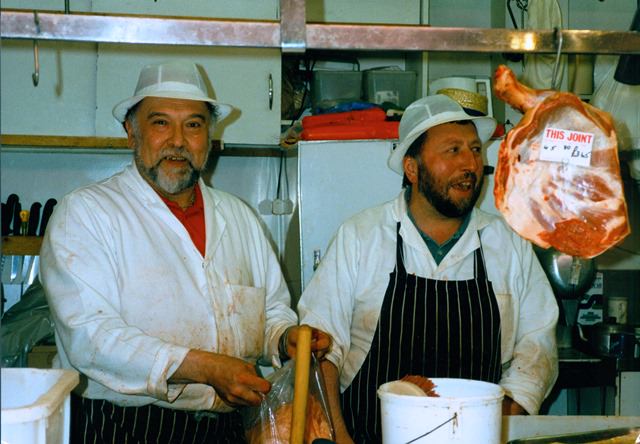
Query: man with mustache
(429, 285)
(164, 291)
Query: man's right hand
(234, 380)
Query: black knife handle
(46, 214)
(34, 218)
(17, 222)
(4, 225)
(7, 215)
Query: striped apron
(96, 421)
(426, 327)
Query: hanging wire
(555, 81)
(285, 189)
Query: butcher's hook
(35, 77)
(557, 37)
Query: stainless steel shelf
(296, 36)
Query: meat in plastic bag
(270, 422)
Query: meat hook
(557, 37)
(35, 77)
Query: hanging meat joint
(557, 182)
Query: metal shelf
(293, 35)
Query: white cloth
(130, 293)
(346, 292)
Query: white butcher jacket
(130, 294)
(345, 295)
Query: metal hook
(557, 36)
(35, 77)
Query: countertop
(515, 427)
(575, 356)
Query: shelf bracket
(293, 29)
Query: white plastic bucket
(465, 412)
(36, 405)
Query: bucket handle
(455, 415)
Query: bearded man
(164, 291)
(428, 284)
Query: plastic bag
(24, 325)
(270, 422)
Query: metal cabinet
(63, 103)
(81, 82)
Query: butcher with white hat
(429, 285)
(164, 291)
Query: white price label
(566, 146)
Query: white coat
(130, 294)
(345, 295)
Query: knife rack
(21, 245)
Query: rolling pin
(301, 385)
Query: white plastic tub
(465, 412)
(36, 405)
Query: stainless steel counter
(515, 427)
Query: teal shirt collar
(438, 251)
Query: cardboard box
(41, 356)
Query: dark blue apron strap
(479, 259)
(400, 268)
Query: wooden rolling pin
(301, 385)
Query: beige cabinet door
(239, 77)
(246, 78)
(364, 11)
(63, 102)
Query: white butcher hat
(173, 80)
(428, 112)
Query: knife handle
(34, 218)
(8, 213)
(24, 222)
(46, 214)
(4, 225)
(17, 222)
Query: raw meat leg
(578, 209)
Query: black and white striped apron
(428, 327)
(96, 421)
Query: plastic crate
(335, 86)
(390, 86)
(36, 405)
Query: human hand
(234, 380)
(320, 341)
(510, 407)
(237, 382)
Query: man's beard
(176, 182)
(436, 192)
